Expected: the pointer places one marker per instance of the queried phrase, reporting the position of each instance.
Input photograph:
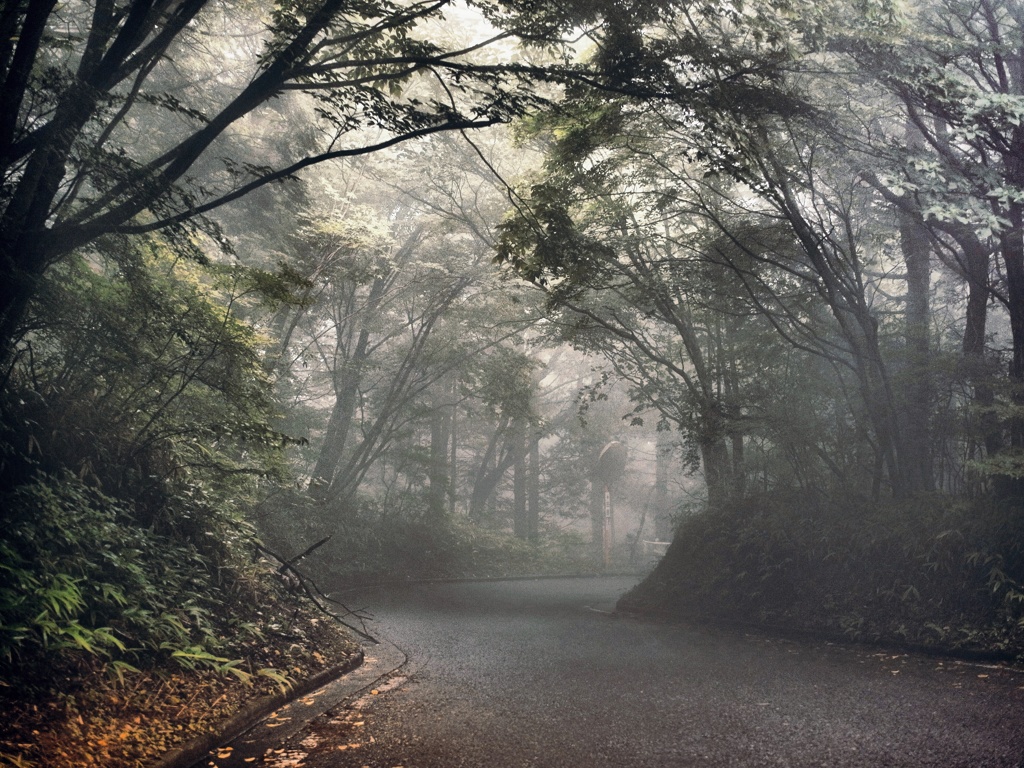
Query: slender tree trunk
(438, 471)
(453, 464)
(662, 512)
(477, 495)
(488, 474)
(917, 387)
(977, 369)
(730, 380)
(332, 451)
(347, 378)
(739, 464)
(520, 521)
(533, 491)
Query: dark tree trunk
(438, 473)
(917, 390)
(347, 378)
(978, 370)
(533, 491)
(488, 475)
(662, 512)
(520, 521)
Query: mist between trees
(386, 278)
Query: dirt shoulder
(92, 716)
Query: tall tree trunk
(489, 473)
(1013, 260)
(739, 464)
(533, 490)
(335, 438)
(1012, 246)
(916, 387)
(977, 369)
(453, 463)
(1012, 249)
(731, 383)
(520, 521)
(347, 377)
(438, 471)
(662, 512)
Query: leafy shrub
(927, 571)
(371, 543)
(79, 575)
(133, 428)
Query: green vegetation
(796, 233)
(104, 713)
(927, 572)
(172, 368)
(775, 248)
(375, 548)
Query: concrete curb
(290, 721)
(192, 752)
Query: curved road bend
(532, 673)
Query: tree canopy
(126, 117)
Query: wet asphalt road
(528, 673)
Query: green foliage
(926, 571)
(135, 357)
(373, 543)
(134, 426)
(79, 578)
(141, 378)
(78, 575)
(502, 381)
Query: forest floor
(93, 718)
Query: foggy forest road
(528, 673)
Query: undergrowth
(90, 717)
(927, 572)
(369, 545)
(80, 580)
